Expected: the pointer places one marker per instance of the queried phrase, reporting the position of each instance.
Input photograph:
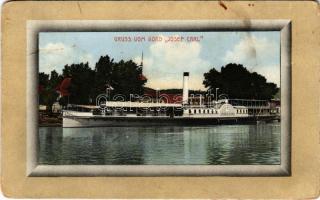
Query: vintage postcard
(159, 98)
(123, 101)
(169, 98)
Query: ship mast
(141, 64)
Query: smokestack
(185, 94)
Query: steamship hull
(112, 121)
(185, 113)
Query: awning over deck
(129, 104)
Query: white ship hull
(188, 116)
(112, 121)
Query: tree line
(237, 82)
(86, 84)
(125, 77)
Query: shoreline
(47, 119)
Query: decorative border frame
(36, 26)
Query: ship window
(195, 111)
(200, 111)
(189, 111)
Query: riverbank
(47, 119)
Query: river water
(203, 145)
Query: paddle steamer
(162, 113)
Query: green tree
(123, 76)
(237, 82)
(55, 79)
(103, 75)
(47, 88)
(52, 94)
(43, 84)
(126, 78)
(82, 81)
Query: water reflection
(227, 144)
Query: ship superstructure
(185, 111)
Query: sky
(168, 55)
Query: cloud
(54, 56)
(252, 51)
(166, 62)
(257, 54)
(272, 73)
